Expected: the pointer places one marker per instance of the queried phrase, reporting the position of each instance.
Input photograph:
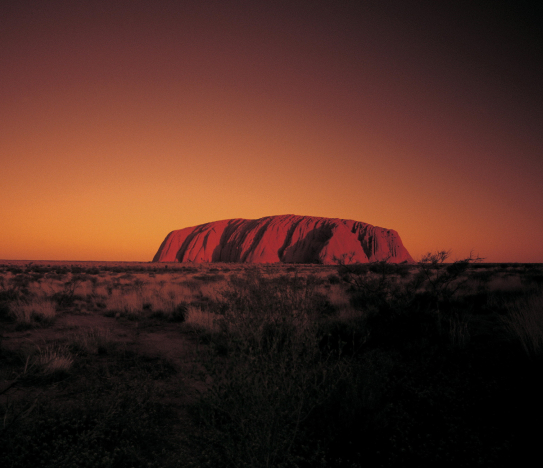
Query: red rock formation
(286, 238)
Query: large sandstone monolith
(286, 239)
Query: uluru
(283, 239)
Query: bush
(273, 377)
(396, 304)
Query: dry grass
(288, 369)
(53, 360)
(525, 321)
(459, 333)
(92, 341)
(505, 283)
(203, 319)
(28, 313)
(144, 302)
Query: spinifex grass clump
(54, 361)
(93, 341)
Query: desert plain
(120, 364)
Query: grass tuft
(53, 361)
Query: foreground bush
(268, 375)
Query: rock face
(286, 239)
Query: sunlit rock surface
(285, 238)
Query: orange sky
(123, 120)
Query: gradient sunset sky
(121, 121)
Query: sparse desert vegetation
(228, 365)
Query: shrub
(442, 282)
(402, 308)
(273, 377)
(67, 296)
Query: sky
(121, 121)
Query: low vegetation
(378, 365)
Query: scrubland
(227, 365)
